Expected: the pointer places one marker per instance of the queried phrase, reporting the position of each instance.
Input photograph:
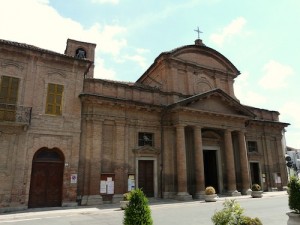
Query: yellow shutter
(54, 99)
(9, 90)
(8, 98)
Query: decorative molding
(12, 63)
(57, 72)
(146, 150)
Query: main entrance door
(211, 168)
(254, 168)
(46, 178)
(145, 177)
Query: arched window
(80, 53)
(48, 155)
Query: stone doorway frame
(219, 164)
(155, 175)
(46, 159)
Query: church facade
(176, 130)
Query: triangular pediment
(214, 101)
(146, 150)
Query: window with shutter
(54, 99)
(9, 87)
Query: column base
(91, 200)
(234, 193)
(69, 204)
(247, 191)
(117, 198)
(199, 195)
(169, 195)
(183, 196)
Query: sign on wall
(107, 184)
(74, 178)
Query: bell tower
(82, 50)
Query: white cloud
(289, 112)
(292, 109)
(142, 50)
(102, 72)
(39, 24)
(275, 75)
(140, 60)
(244, 93)
(105, 37)
(253, 99)
(105, 1)
(234, 28)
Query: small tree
(138, 211)
(232, 214)
(294, 194)
(229, 215)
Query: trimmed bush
(256, 187)
(210, 190)
(127, 196)
(138, 211)
(294, 194)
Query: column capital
(197, 127)
(180, 125)
(243, 131)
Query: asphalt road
(271, 210)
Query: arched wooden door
(46, 178)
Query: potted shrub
(256, 191)
(294, 201)
(138, 211)
(210, 194)
(125, 201)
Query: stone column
(244, 164)
(230, 168)
(181, 165)
(199, 164)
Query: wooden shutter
(54, 99)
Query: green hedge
(294, 194)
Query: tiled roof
(34, 48)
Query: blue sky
(261, 38)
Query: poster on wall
(103, 187)
(73, 178)
(131, 182)
(107, 184)
(277, 178)
(110, 185)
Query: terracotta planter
(294, 218)
(210, 198)
(256, 194)
(124, 204)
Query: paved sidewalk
(27, 213)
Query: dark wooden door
(146, 181)
(255, 174)
(46, 184)
(211, 169)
